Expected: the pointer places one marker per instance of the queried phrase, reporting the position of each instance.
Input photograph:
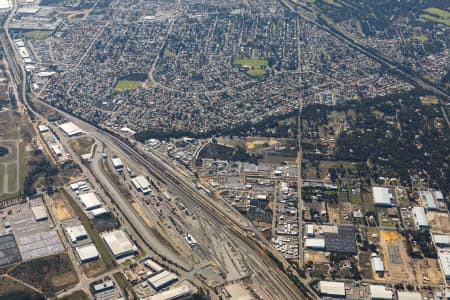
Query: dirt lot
(64, 280)
(428, 271)
(315, 256)
(61, 207)
(337, 213)
(333, 214)
(439, 222)
(320, 270)
(250, 145)
(396, 260)
(92, 269)
(82, 145)
(365, 265)
(78, 295)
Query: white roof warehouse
(383, 196)
(141, 184)
(87, 252)
(39, 213)
(379, 292)
(332, 288)
(70, 129)
(162, 279)
(444, 261)
(420, 218)
(90, 201)
(117, 163)
(119, 243)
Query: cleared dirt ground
(439, 222)
(396, 260)
(315, 257)
(428, 271)
(94, 268)
(61, 207)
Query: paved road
(77, 268)
(280, 285)
(379, 57)
(299, 188)
(265, 271)
(140, 225)
(102, 183)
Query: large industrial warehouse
(162, 280)
(315, 244)
(141, 184)
(377, 266)
(444, 261)
(174, 293)
(87, 253)
(39, 213)
(332, 289)
(420, 218)
(76, 233)
(379, 292)
(383, 196)
(90, 201)
(70, 129)
(409, 296)
(119, 243)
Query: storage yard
(9, 252)
(439, 221)
(428, 271)
(224, 172)
(34, 238)
(149, 278)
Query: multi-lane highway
(263, 270)
(393, 65)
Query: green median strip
(106, 255)
(124, 285)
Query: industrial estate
(268, 149)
